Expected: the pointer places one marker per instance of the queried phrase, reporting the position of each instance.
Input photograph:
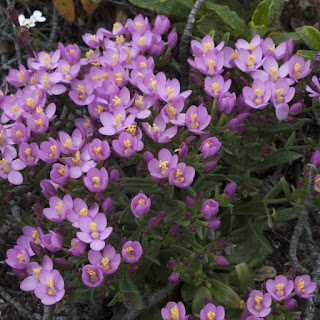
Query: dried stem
(303, 219)
(184, 45)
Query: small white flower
(31, 22)
(37, 16)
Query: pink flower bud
(60, 262)
(153, 222)
(114, 175)
(222, 261)
(189, 202)
(173, 277)
(107, 205)
(172, 38)
(99, 196)
(291, 304)
(147, 156)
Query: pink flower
(140, 204)
(182, 175)
(108, 261)
(58, 208)
(94, 231)
(259, 304)
(197, 119)
(303, 286)
(210, 208)
(210, 147)
(18, 257)
(161, 168)
(174, 310)
(131, 251)
(280, 288)
(92, 276)
(210, 311)
(51, 287)
(96, 180)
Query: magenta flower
(298, 68)
(206, 44)
(115, 123)
(210, 312)
(60, 174)
(131, 251)
(92, 40)
(197, 119)
(34, 270)
(44, 60)
(210, 208)
(79, 163)
(99, 150)
(18, 257)
(259, 304)
(30, 234)
(174, 310)
(82, 92)
(142, 41)
(77, 248)
(171, 112)
(158, 132)
(70, 144)
(303, 286)
(209, 63)
(141, 106)
(181, 176)
(140, 204)
(227, 102)
(38, 123)
(269, 49)
(71, 52)
(170, 90)
(243, 44)
(161, 168)
(92, 276)
(313, 93)
(249, 62)
(125, 145)
(258, 96)
(161, 24)
(108, 261)
(281, 92)
(96, 180)
(68, 72)
(29, 153)
(51, 287)
(58, 208)
(52, 241)
(49, 151)
(279, 288)
(18, 78)
(80, 208)
(94, 231)
(9, 168)
(210, 147)
(215, 86)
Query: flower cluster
(273, 72)
(280, 291)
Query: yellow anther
(21, 258)
(105, 263)
(38, 123)
(119, 40)
(128, 252)
(127, 143)
(115, 57)
(46, 59)
(39, 110)
(118, 77)
(215, 87)
(28, 151)
(258, 92)
(141, 202)
(235, 54)
(37, 272)
(116, 26)
(68, 143)
(257, 299)
(141, 41)
(139, 102)
(132, 129)
(30, 102)
(211, 315)
(72, 51)
(163, 166)
(170, 92)
(211, 65)
(97, 150)
(193, 117)
(300, 284)
(251, 46)
(143, 64)
(81, 88)
(89, 54)
(74, 245)
(153, 83)
(94, 37)
(174, 313)
(93, 275)
(171, 111)
(19, 134)
(138, 24)
(98, 109)
(15, 108)
(207, 46)
(272, 48)
(116, 100)
(76, 159)
(93, 226)
(97, 182)
(83, 212)
(64, 69)
(59, 207)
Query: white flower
(31, 22)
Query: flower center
(174, 313)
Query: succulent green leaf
(310, 36)
(308, 54)
(284, 36)
(231, 19)
(198, 299)
(261, 16)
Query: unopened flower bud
(174, 229)
(114, 175)
(188, 215)
(153, 222)
(214, 224)
(222, 261)
(210, 165)
(193, 228)
(60, 262)
(99, 196)
(172, 38)
(171, 263)
(107, 205)
(291, 304)
(173, 277)
(127, 302)
(120, 186)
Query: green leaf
(290, 140)
(154, 314)
(262, 239)
(276, 158)
(286, 187)
(187, 292)
(277, 188)
(276, 11)
(310, 36)
(198, 299)
(224, 294)
(231, 19)
(114, 300)
(284, 36)
(182, 250)
(261, 16)
(244, 275)
(153, 259)
(308, 54)
(130, 291)
(177, 8)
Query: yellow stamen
(174, 313)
